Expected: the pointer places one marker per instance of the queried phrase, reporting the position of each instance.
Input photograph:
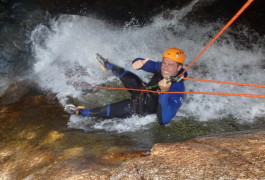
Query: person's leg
(129, 79)
(120, 109)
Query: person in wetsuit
(143, 103)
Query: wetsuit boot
(71, 109)
(102, 62)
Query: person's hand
(164, 84)
(139, 63)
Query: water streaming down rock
(36, 142)
(65, 48)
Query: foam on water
(118, 125)
(65, 49)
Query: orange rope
(158, 92)
(224, 82)
(219, 34)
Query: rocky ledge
(227, 156)
(35, 143)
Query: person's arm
(146, 65)
(169, 104)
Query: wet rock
(116, 10)
(234, 156)
(20, 159)
(144, 9)
(14, 92)
(124, 156)
(35, 143)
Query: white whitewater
(66, 49)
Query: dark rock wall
(144, 9)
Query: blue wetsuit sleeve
(150, 66)
(169, 104)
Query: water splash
(115, 125)
(65, 50)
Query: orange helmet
(175, 54)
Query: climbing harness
(176, 79)
(173, 79)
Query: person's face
(169, 68)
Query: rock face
(35, 143)
(144, 9)
(235, 156)
(14, 92)
(122, 10)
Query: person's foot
(102, 62)
(71, 109)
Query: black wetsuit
(141, 103)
